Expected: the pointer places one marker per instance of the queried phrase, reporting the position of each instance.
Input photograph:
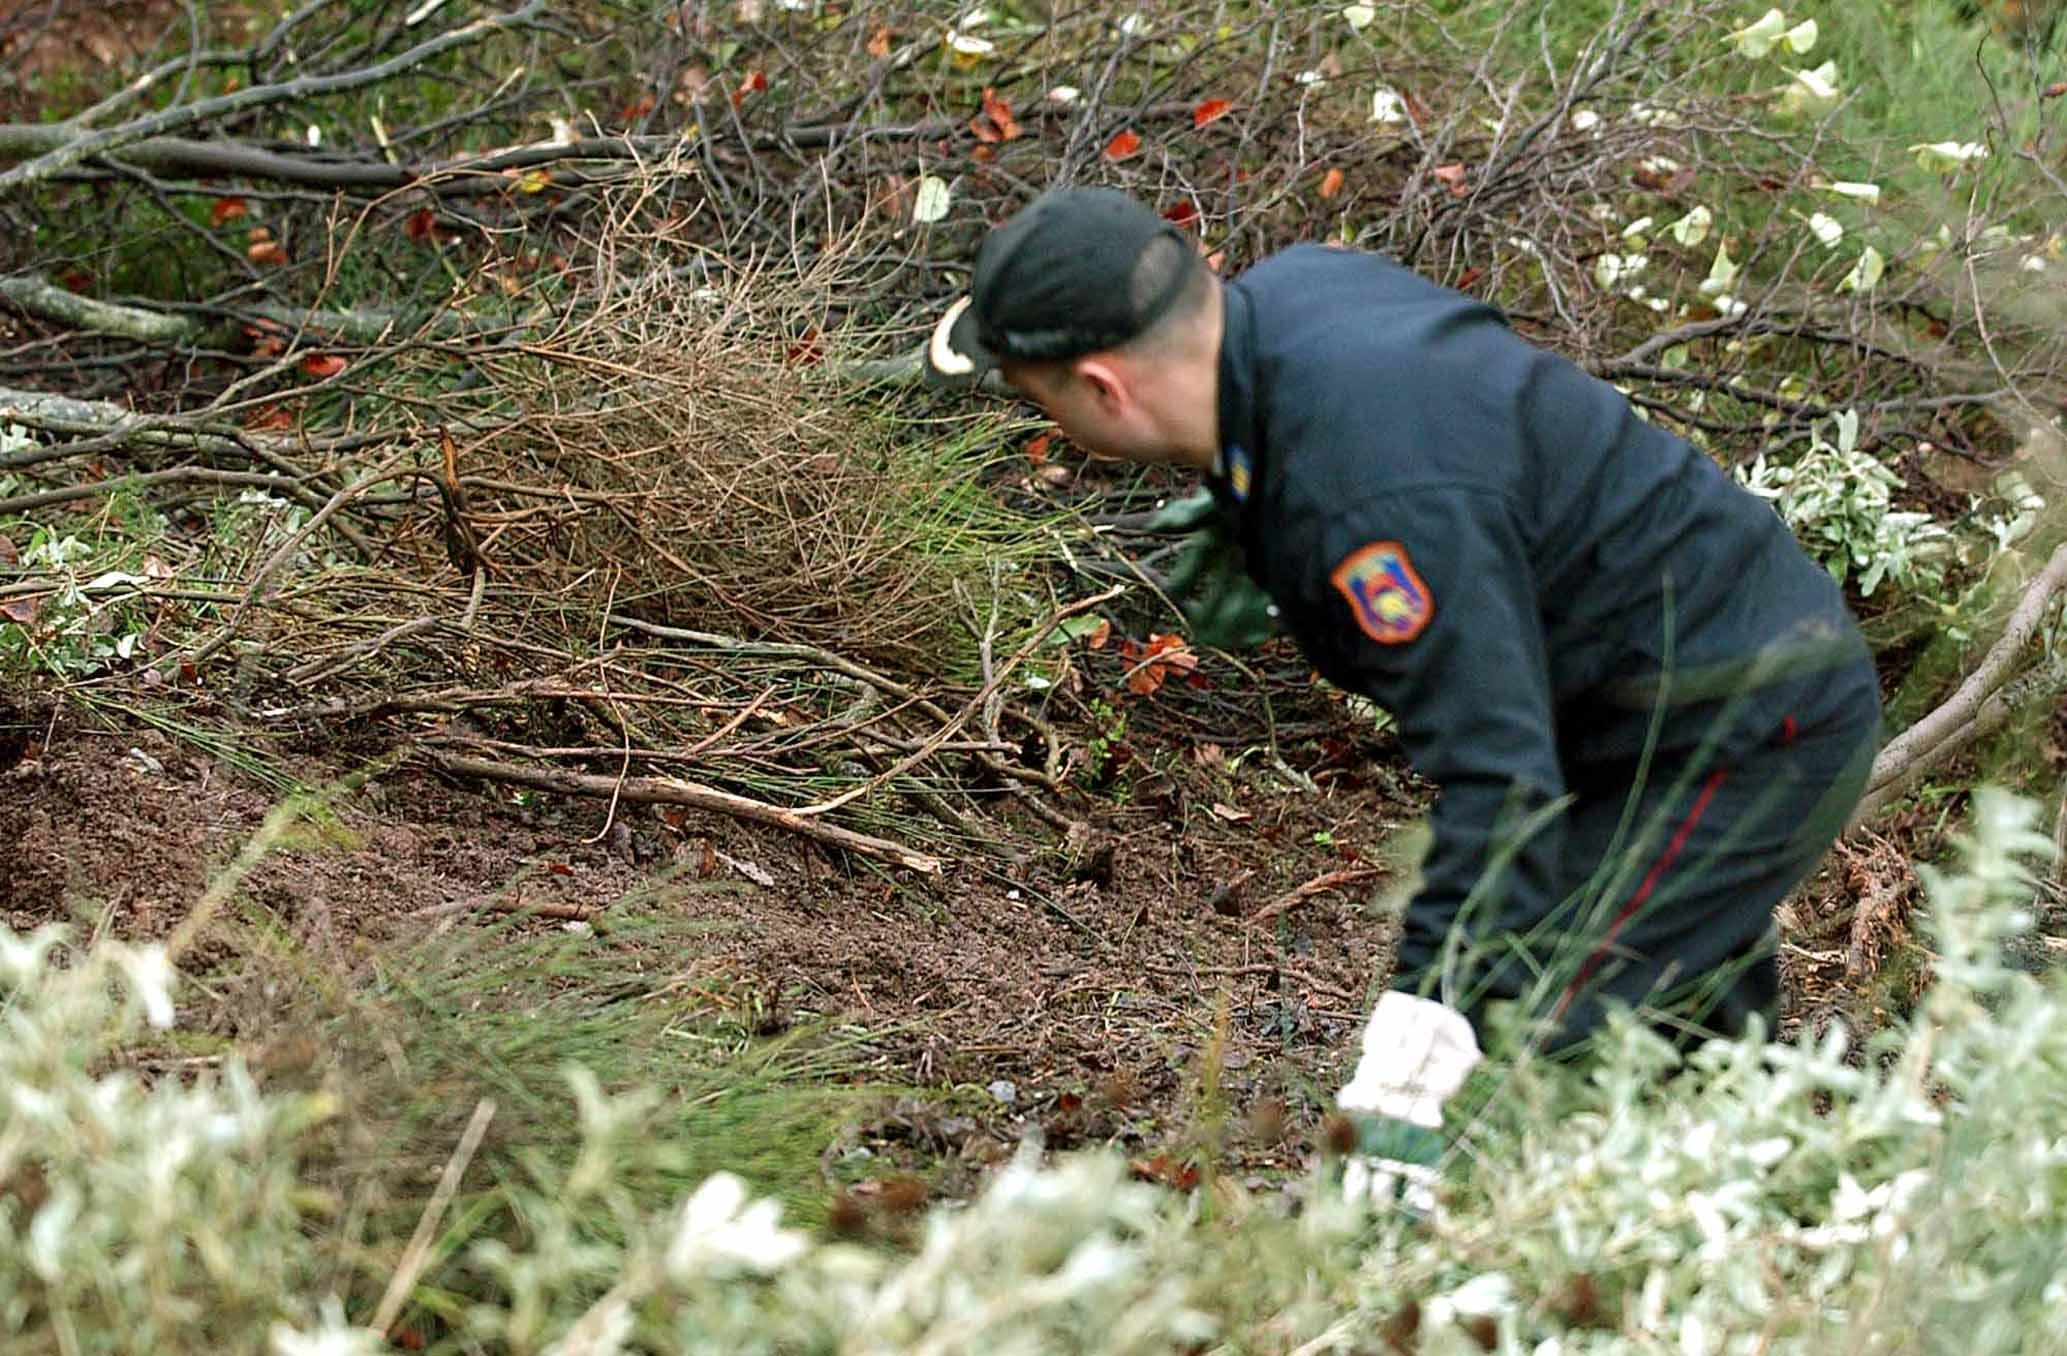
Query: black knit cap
(1074, 271)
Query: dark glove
(1223, 609)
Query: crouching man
(1648, 712)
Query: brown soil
(1089, 976)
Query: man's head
(1104, 315)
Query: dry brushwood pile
(518, 396)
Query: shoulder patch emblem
(1390, 601)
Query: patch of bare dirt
(1087, 977)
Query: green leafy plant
(1839, 501)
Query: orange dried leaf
(1181, 213)
(1211, 110)
(1000, 114)
(1331, 183)
(1122, 145)
(879, 42)
(225, 209)
(1452, 176)
(1037, 449)
(267, 252)
(21, 611)
(322, 366)
(268, 419)
(256, 234)
(1100, 634)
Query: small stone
(1004, 1091)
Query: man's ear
(1105, 380)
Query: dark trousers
(1671, 875)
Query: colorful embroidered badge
(1389, 599)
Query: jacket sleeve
(1423, 601)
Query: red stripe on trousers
(1643, 891)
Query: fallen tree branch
(670, 791)
(1995, 712)
(44, 299)
(79, 148)
(1332, 880)
(1932, 739)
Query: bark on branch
(80, 147)
(1981, 704)
(669, 791)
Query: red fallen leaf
(22, 610)
(322, 365)
(187, 672)
(1661, 181)
(76, 280)
(805, 350)
(225, 209)
(1122, 145)
(420, 225)
(1148, 666)
(1209, 111)
(267, 339)
(1037, 448)
(637, 108)
(879, 42)
(1452, 176)
(1468, 277)
(268, 252)
(2054, 91)
(1417, 112)
(559, 869)
(1068, 1103)
(1176, 1173)
(1099, 634)
(1182, 213)
(754, 83)
(407, 1339)
(257, 234)
(983, 155)
(1331, 182)
(1198, 682)
(998, 114)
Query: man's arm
(1432, 612)
(1427, 606)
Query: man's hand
(1416, 1053)
(1223, 609)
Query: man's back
(1371, 387)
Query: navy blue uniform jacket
(1489, 543)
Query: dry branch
(81, 146)
(670, 791)
(1977, 707)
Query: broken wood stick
(671, 791)
(1321, 884)
(1969, 711)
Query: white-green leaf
(1802, 36)
(1827, 229)
(1943, 157)
(1691, 229)
(1865, 274)
(1387, 106)
(1755, 40)
(932, 200)
(1359, 16)
(1863, 192)
(1721, 273)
